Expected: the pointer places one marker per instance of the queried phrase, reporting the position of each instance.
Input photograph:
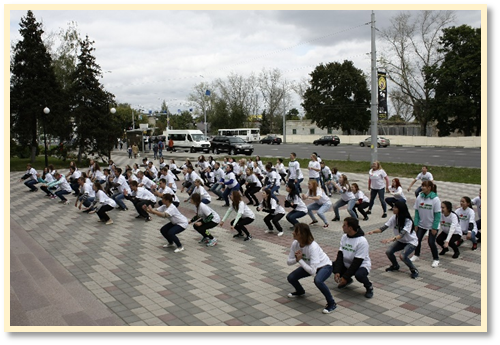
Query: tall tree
(338, 97)
(413, 42)
(273, 89)
(292, 114)
(457, 82)
(96, 128)
(33, 85)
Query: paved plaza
(67, 269)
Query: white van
(191, 139)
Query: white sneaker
(168, 245)
(280, 233)
(180, 249)
(435, 263)
(109, 222)
(414, 258)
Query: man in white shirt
(425, 175)
(140, 196)
(30, 178)
(120, 183)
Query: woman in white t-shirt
(314, 168)
(275, 212)
(178, 223)
(397, 193)
(477, 201)
(102, 204)
(321, 202)
(450, 230)
(244, 216)
(204, 219)
(346, 198)
(467, 216)
(378, 183)
(362, 201)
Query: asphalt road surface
(433, 156)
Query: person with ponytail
(244, 217)
(274, 210)
(293, 200)
(204, 219)
(321, 202)
(467, 218)
(451, 230)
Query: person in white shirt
(362, 201)
(102, 204)
(274, 210)
(169, 178)
(253, 185)
(273, 180)
(200, 190)
(353, 257)
(144, 181)
(62, 188)
(467, 217)
(189, 179)
(477, 201)
(321, 202)
(140, 196)
(151, 171)
(293, 200)
(135, 169)
(204, 219)
(294, 172)
(164, 189)
(326, 179)
(280, 169)
(86, 194)
(29, 178)
(451, 231)
(427, 218)
(74, 175)
(178, 223)
(173, 168)
(230, 184)
(314, 168)
(97, 174)
(405, 238)
(425, 175)
(378, 183)
(397, 193)
(346, 198)
(313, 262)
(244, 216)
(120, 183)
(218, 181)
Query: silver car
(381, 141)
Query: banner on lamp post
(382, 96)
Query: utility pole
(374, 102)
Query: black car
(231, 145)
(327, 140)
(271, 139)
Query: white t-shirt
(427, 177)
(377, 178)
(294, 170)
(362, 196)
(409, 236)
(278, 209)
(301, 206)
(144, 194)
(123, 185)
(204, 211)
(397, 192)
(174, 215)
(355, 247)
(203, 193)
(465, 217)
(313, 257)
(253, 179)
(345, 193)
(477, 201)
(314, 173)
(280, 168)
(450, 225)
(426, 208)
(324, 199)
(102, 198)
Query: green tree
(293, 114)
(457, 82)
(265, 125)
(33, 86)
(219, 116)
(184, 120)
(96, 128)
(338, 97)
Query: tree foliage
(33, 86)
(413, 42)
(457, 82)
(338, 97)
(96, 129)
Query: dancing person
(274, 210)
(243, 217)
(293, 200)
(346, 198)
(425, 175)
(362, 201)
(204, 219)
(321, 202)
(102, 204)
(467, 222)
(451, 231)
(377, 179)
(397, 193)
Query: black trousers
(138, 206)
(203, 229)
(360, 208)
(452, 244)
(250, 194)
(275, 219)
(102, 212)
(361, 274)
(240, 227)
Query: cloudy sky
(154, 55)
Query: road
(433, 156)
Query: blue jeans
(322, 274)
(169, 231)
(292, 216)
(361, 274)
(31, 184)
(87, 202)
(373, 195)
(350, 207)
(432, 242)
(216, 189)
(227, 191)
(60, 194)
(119, 200)
(297, 184)
(417, 191)
(321, 211)
(407, 249)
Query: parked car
(381, 141)
(327, 140)
(231, 145)
(271, 139)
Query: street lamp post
(207, 93)
(112, 111)
(46, 110)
